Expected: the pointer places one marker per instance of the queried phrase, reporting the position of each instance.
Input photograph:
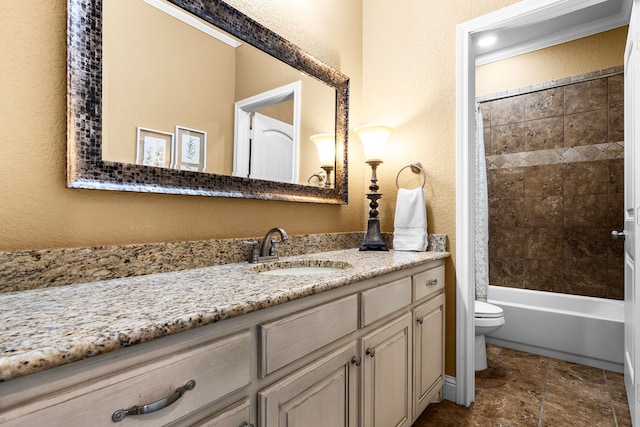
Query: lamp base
(373, 239)
(327, 171)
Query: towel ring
(416, 167)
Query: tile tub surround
(24, 270)
(44, 328)
(555, 158)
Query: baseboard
(449, 388)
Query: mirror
(126, 134)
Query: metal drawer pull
(120, 414)
(371, 352)
(356, 360)
(433, 282)
(245, 424)
(420, 320)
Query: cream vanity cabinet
(184, 379)
(368, 378)
(370, 354)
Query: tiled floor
(523, 389)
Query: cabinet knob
(433, 282)
(371, 352)
(245, 424)
(420, 320)
(356, 360)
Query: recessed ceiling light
(488, 40)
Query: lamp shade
(374, 140)
(326, 145)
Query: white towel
(410, 223)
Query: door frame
(517, 14)
(242, 122)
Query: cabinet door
(428, 352)
(324, 393)
(386, 375)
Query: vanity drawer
(295, 336)
(385, 299)
(428, 282)
(218, 368)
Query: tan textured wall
(409, 82)
(38, 211)
(151, 80)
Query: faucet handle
(272, 247)
(254, 252)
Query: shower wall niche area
(555, 156)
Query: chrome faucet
(268, 249)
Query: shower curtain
(481, 221)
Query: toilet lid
(483, 309)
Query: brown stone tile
(585, 278)
(485, 110)
(587, 128)
(586, 177)
(477, 420)
(616, 90)
(501, 407)
(564, 373)
(614, 377)
(616, 176)
(623, 416)
(507, 110)
(506, 182)
(615, 282)
(588, 403)
(586, 244)
(543, 243)
(493, 353)
(507, 138)
(532, 366)
(616, 124)
(618, 392)
(544, 134)
(445, 413)
(586, 211)
(542, 275)
(543, 104)
(506, 242)
(615, 252)
(487, 140)
(543, 211)
(615, 211)
(506, 212)
(506, 272)
(556, 416)
(543, 180)
(586, 96)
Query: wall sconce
(326, 145)
(374, 140)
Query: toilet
(488, 318)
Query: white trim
(449, 388)
(242, 123)
(524, 12)
(528, 12)
(465, 91)
(190, 19)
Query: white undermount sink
(300, 267)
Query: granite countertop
(45, 328)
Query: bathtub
(579, 329)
